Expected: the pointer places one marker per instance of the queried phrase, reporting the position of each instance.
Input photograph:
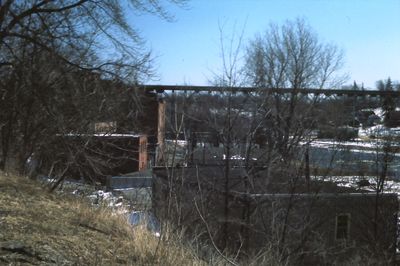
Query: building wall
(301, 223)
(312, 224)
(96, 156)
(151, 122)
(143, 160)
(161, 133)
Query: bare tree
(57, 73)
(288, 57)
(291, 56)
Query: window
(105, 127)
(342, 226)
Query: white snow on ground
(379, 112)
(334, 144)
(390, 186)
(358, 145)
(108, 199)
(378, 131)
(326, 143)
(117, 203)
(180, 143)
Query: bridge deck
(327, 92)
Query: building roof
(259, 182)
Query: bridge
(326, 92)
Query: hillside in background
(40, 228)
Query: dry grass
(37, 227)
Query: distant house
(316, 221)
(145, 115)
(368, 118)
(96, 156)
(126, 138)
(149, 120)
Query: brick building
(312, 223)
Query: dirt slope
(40, 228)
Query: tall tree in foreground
(54, 57)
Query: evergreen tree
(388, 85)
(355, 86)
(388, 104)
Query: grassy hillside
(37, 227)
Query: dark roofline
(103, 135)
(308, 195)
(327, 92)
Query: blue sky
(188, 50)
